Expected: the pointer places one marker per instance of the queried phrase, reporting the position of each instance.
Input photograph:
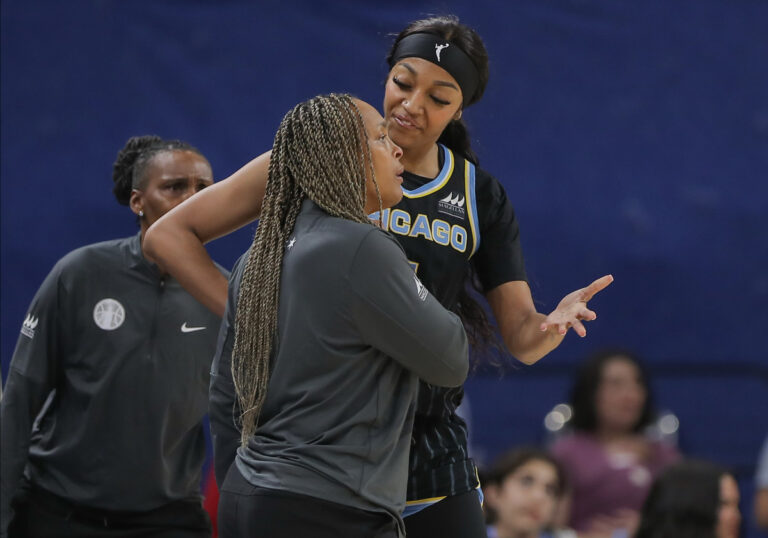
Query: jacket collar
(137, 260)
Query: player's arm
(175, 242)
(761, 489)
(761, 508)
(528, 334)
(31, 378)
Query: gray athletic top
(112, 366)
(356, 327)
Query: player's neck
(422, 161)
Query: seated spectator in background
(761, 489)
(609, 462)
(691, 499)
(522, 491)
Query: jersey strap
(469, 182)
(437, 214)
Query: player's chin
(396, 195)
(390, 200)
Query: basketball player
(113, 360)
(455, 224)
(332, 330)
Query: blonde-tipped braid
(320, 152)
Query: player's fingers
(552, 322)
(596, 286)
(579, 328)
(587, 315)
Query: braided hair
(320, 152)
(129, 169)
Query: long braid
(320, 152)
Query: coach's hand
(572, 310)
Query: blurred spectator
(761, 489)
(522, 491)
(608, 460)
(691, 499)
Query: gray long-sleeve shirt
(121, 358)
(356, 329)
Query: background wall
(632, 138)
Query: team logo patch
(420, 288)
(439, 49)
(28, 327)
(108, 314)
(453, 205)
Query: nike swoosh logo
(186, 329)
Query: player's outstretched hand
(572, 310)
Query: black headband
(442, 53)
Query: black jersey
(460, 218)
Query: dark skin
(420, 100)
(170, 178)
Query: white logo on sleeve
(420, 288)
(28, 327)
(186, 329)
(439, 49)
(108, 314)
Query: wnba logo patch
(108, 314)
(453, 205)
(439, 49)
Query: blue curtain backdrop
(632, 138)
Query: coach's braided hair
(131, 162)
(320, 152)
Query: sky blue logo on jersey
(441, 232)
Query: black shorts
(248, 510)
(458, 516)
(43, 514)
